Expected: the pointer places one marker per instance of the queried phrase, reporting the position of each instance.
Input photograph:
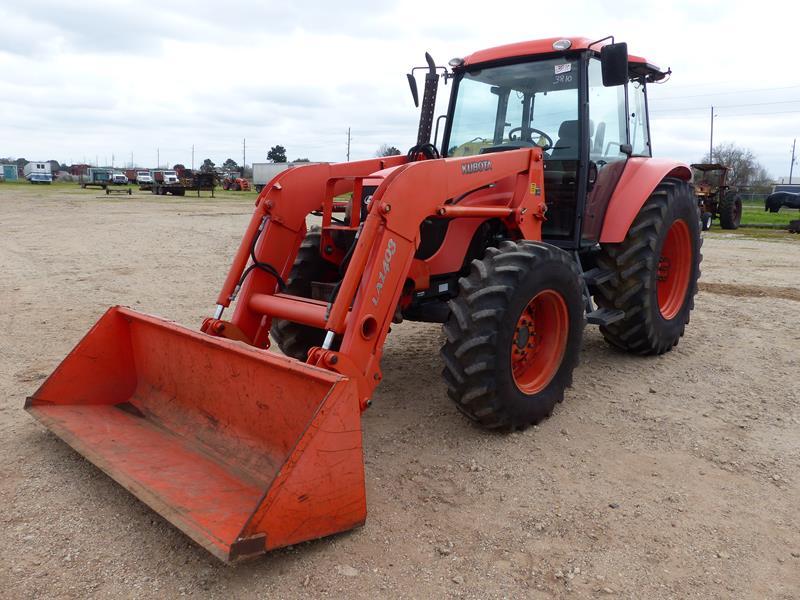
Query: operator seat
(568, 142)
(560, 181)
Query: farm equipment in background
(776, 200)
(508, 243)
(716, 199)
(235, 184)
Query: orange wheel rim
(540, 339)
(674, 268)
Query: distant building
(78, 170)
(9, 172)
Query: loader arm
(281, 210)
(362, 311)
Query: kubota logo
(476, 167)
(391, 248)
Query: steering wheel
(548, 140)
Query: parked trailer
(264, 172)
(38, 172)
(199, 181)
(97, 177)
(9, 172)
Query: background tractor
(540, 210)
(234, 183)
(716, 199)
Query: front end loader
(540, 210)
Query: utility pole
(791, 166)
(131, 159)
(192, 157)
(348, 144)
(711, 142)
(158, 158)
(244, 154)
(112, 160)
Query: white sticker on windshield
(565, 68)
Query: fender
(638, 180)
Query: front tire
(705, 221)
(514, 335)
(656, 269)
(295, 339)
(730, 211)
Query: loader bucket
(242, 449)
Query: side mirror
(614, 64)
(412, 83)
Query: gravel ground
(668, 477)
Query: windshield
(526, 104)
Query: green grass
(758, 233)
(753, 213)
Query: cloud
(97, 78)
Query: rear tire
(514, 335)
(656, 268)
(730, 211)
(295, 339)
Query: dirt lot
(668, 477)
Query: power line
(699, 116)
(657, 110)
(750, 91)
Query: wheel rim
(540, 339)
(674, 267)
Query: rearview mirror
(614, 64)
(412, 83)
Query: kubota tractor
(541, 209)
(235, 184)
(715, 197)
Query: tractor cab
(709, 178)
(583, 103)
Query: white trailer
(38, 172)
(264, 172)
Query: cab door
(617, 130)
(608, 133)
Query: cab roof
(637, 64)
(709, 167)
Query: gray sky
(92, 79)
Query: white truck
(264, 172)
(167, 182)
(38, 172)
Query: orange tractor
(542, 209)
(715, 198)
(235, 184)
